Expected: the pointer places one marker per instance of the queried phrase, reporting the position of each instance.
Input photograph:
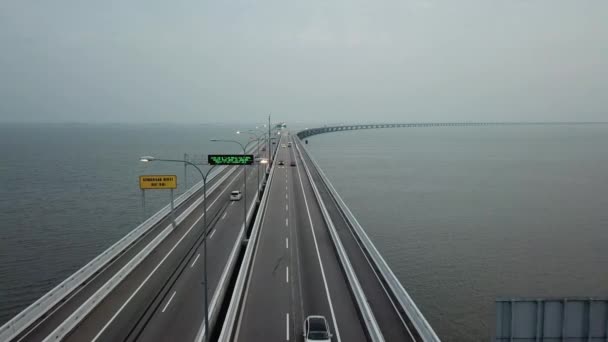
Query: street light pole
(258, 166)
(205, 229)
(244, 175)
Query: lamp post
(244, 175)
(257, 138)
(147, 159)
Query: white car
(236, 195)
(283, 145)
(316, 329)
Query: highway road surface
(45, 325)
(162, 300)
(295, 271)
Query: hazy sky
(313, 60)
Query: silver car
(236, 195)
(316, 329)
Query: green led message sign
(230, 159)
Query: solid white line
(195, 259)
(287, 274)
(287, 243)
(213, 232)
(169, 301)
(314, 237)
(287, 325)
(154, 271)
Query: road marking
(169, 301)
(286, 207)
(314, 237)
(231, 202)
(154, 270)
(287, 325)
(195, 259)
(224, 216)
(287, 243)
(286, 196)
(286, 222)
(287, 274)
(213, 232)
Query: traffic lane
(128, 301)
(46, 325)
(182, 311)
(267, 299)
(392, 325)
(346, 312)
(293, 245)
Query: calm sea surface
(462, 215)
(465, 215)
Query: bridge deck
(395, 325)
(295, 271)
(46, 324)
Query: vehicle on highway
(281, 162)
(289, 144)
(293, 163)
(236, 195)
(316, 329)
(263, 148)
(283, 145)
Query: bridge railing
(37, 309)
(420, 323)
(218, 297)
(237, 294)
(367, 314)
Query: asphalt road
(162, 299)
(395, 326)
(45, 325)
(295, 271)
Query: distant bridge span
(328, 129)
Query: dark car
(293, 163)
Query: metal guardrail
(238, 292)
(423, 328)
(79, 314)
(37, 309)
(367, 314)
(218, 297)
(33, 312)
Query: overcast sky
(313, 60)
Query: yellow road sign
(158, 182)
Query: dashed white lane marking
(286, 222)
(287, 243)
(224, 216)
(286, 207)
(213, 232)
(153, 271)
(286, 196)
(231, 202)
(287, 325)
(287, 274)
(169, 301)
(195, 259)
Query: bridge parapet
(396, 290)
(327, 129)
